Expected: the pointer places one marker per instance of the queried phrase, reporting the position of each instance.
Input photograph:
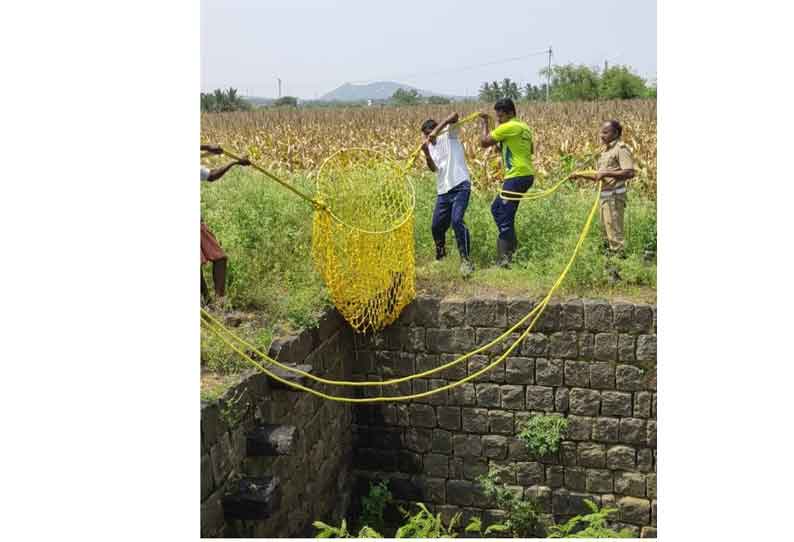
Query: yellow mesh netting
(363, 237)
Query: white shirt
(450, 160)
(205, 173)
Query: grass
(266, 232)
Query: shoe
(466, 268)
(504, 252)
(441, 251)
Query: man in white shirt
(445, 156)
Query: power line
(455, 70)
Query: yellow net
(363, 237)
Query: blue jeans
(450, 208)
(504, 212)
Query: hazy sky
(315, 46)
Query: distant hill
(379, 90)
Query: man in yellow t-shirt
(516, 145)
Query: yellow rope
(541, 307)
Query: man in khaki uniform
(615, 167)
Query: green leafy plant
(542, 434)
(374, 504)
(592, 525)
(424, 524)
(523, 515)
(232, 412)
(329, 531)
(475, 526)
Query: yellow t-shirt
(515, 142)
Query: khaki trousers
(612, 208)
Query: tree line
(572, 82)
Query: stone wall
(293, 449)
(591, 361)
(273, 459)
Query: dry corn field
(298, 140)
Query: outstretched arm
(485, 139)
(452, 119)
(219, 172)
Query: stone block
(504, 471)
(418, 440)
(488, 395)
(569, 503)
(643, 319)
(462, 395)
(431, 490)
(529, 473)
(517, 308)
(591, 455)
(575, 478)
(572, 315)
(599, 481)
(584, 401)
(512, 397)
(626, 344)
(473, 467)
(220, 457)
(616, 403)
(481, 312)
(467, 445)
(423, 311)
(540, 398)
(451, 341)
(448, 417)
(475, 420)
(650, 485)
(412, 338)
(519, 370)
(602, 375)
(549, 319)
(651, 433)
(633, 430)
(648, 532)
(561, 399)
(452, 312)
(540, 495)
(555, 476)
(645, 460)
(568, 453)
(455, 372)
(535, 344)
(623, 316)
(577, 373)
(500, 421)
(494, 446)
(517, 449)
(564, 344)
(441, 442)
(422, 415)
(597, 315)
(395, 364)
(586, 345)
(646, 348)
(549, 372)
(642, 404)
(621, 458)
(460, 492)
(436, 465)
(606, 429)
(409, 462)
(635, 511)
(495, 374)
(606, 347)
(631, 484)
(579, 428)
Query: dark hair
(429, 124)
(505, 105)
(616, 126)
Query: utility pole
(548, 76)
(606, 65)
(279, 86)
